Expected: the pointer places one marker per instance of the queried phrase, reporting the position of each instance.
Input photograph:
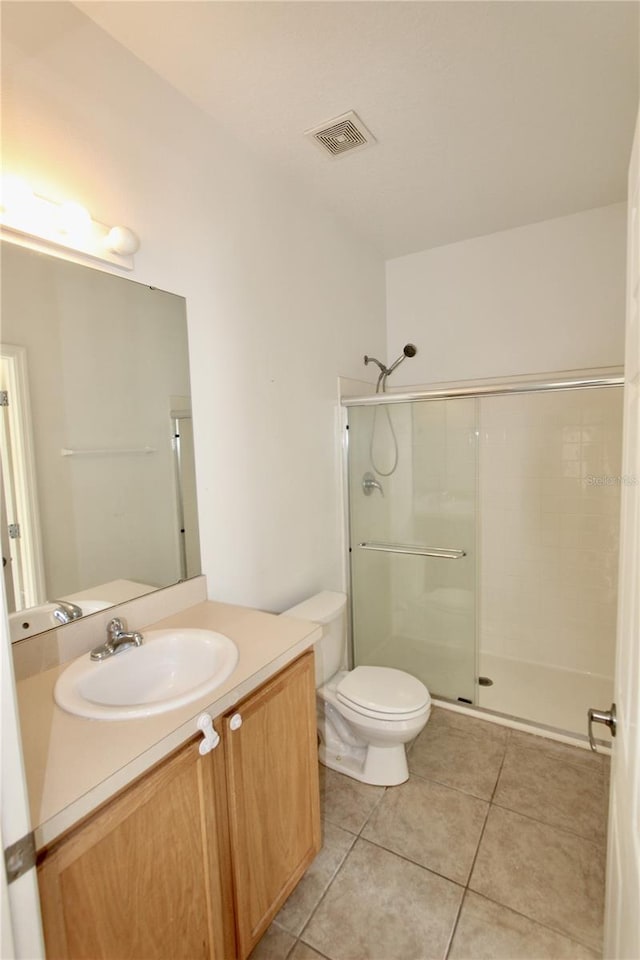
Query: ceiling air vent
(341, 135)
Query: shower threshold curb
(525, 726)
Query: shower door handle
(608, 717)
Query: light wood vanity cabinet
(142, 877)
(195, 859)
(272, 780)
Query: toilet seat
(383, 693)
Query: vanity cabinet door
(274, 809)
(145, 877)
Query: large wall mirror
(98, 501)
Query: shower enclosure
(483, 542)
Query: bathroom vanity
(193, 857)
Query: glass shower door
(412, 502)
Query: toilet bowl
(365, 715)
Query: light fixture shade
(122, 240)
(39, 223)
(74, 220)
(16, 195)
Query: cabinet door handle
(210, 737)
(236, 721)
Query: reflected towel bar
(106, 451)
(414, 550)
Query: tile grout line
(295, 944)
(486, 819)
(329, 885)
(581, 764)
(292, 948)
(373, 810)
(394, 854)
(466, 888)
(447, 786)
(455, 924)
(552, 826)
(503, 806)
(322, 898)
(421, 866)
(331, 881)
(492, 803)
(539, 923)
(402, 856)
(504, 757)
(470, 873)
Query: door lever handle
(608, 717)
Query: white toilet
(365, 715)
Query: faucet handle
(114, 627)
(369, 484)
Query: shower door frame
(593, 379)
(608, 377)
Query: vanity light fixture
(40, 223)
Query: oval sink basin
(171, 669)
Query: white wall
(280, 298)
(547, 296)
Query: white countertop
(115, 591)
(73, 765)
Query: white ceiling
(488, 115)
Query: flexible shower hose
(377, 469)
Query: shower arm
(384, 372)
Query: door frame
(622, 921)
(22, 937)
(18, 452)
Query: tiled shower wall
(549, 515)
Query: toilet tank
(330, 611)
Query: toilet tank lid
(321, 608)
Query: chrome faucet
(369, 484)
(117, 639)
(65, 611)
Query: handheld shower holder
(409, 350)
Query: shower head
(409, 350)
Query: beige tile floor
(493, 850)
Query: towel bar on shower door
(415, 551)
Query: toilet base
(380, 766)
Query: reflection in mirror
(97, 487)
